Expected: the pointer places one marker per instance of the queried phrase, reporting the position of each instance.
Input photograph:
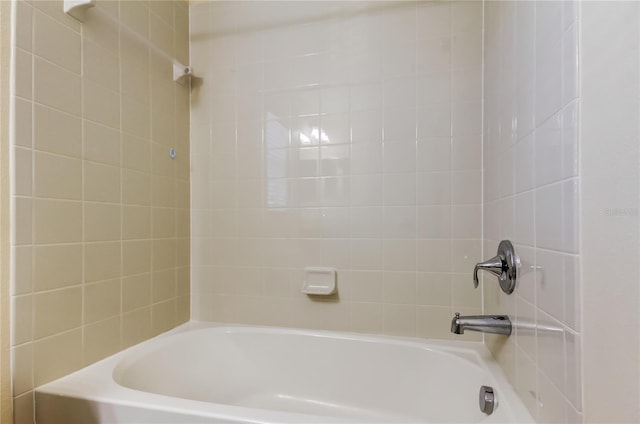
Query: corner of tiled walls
(337, 134)
(531, 197)
(100, 246)
(5, 224)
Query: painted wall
(337, 134)
(531, 197)
(100, 242)
(610, 197)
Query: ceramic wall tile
(542, 109)
(77, 232)
(355, 173)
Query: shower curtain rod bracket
(181, 73)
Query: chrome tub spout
(496, 324)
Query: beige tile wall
(100, 244)
(531, 182)
(337, 134)
(6, 399)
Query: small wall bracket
(77, 8)
(181, 73)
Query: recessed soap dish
(319, 281)
(77, 8)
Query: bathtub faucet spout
(496, 324)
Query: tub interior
(350, 378)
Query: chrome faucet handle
(493, 265)
(503, 266)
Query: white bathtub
(204, 373)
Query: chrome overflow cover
(487, 400)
